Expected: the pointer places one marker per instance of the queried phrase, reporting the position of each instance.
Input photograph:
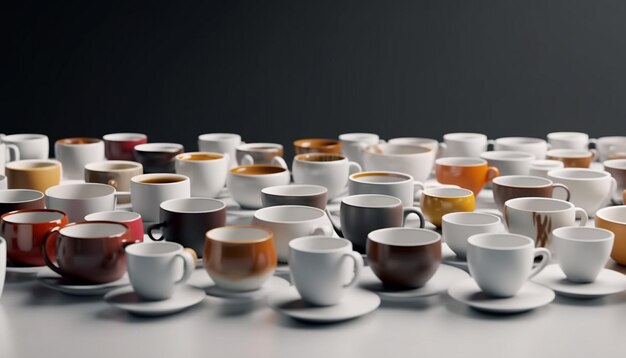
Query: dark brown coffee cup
(157, 157)
(404, 257)
(20, 199)
(521, 186)
(187, 220)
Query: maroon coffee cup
(129, 218)
(20, 199)
(119, 146)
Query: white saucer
(530, 296)
(200, 279)
(126, 299)
(26, 270)
(608, 282)
(450, 258)
(355, 303)
(55, 282)
(440, 282)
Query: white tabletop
(38, 322)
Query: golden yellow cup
(613, 218)
(35, 174)
(437, 202)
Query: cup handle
(562, 186)
(442, 149)
(321, 230)
(418, 188)
(408, 211)
(247, 160)
(545, 260)
(354, 167)
(594, 154)
(188, 266)
(336, 224)
(492, 172)
(279, 161)
(358, 267)
(583, 215)
(492, 143)
(154, 227)
(113, 183)
(44, 251)
(14, 152)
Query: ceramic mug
(224, 143)
(152, 268)
(245, 182)
(617, 169)
(509, 163)
(294, 194)
(464, 144)
(415, 160)
(131, 219)
(590, 189)
(8, 153)
(405, 258)
(430, 143)
(540, 168)
(120, 146)
(614, 219)
(568, 140)
(289, 222)
(157, 157)
(148, 191)
(458, 227)
(537, 217)
(501, 263)
(25, 231)
(317, 145)
(582, 252)
(260, 153)
(613, 147)
(30, 146)
(328, 170)
(323, 268)
(116, 173)
(437, 202)
(186, 220)
(519, 186)
(78, 200)
(535, 146)
(353, 145)
(469, 173)
(206, 172)
(89, 251)
(361, 214)
(397, 184)
(572, 158)
(20, 199)
(75, 153)
(239, 258)
(33, 174)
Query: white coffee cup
(288, 222)
(415, 160)
(590, 189)
(148, 191)
(30, 146)
(3, 263)
(613, 147)
(75, 153)
(81, 199)
(3, 182)
(245, 182)
(501, 263)
(540, 168)
(535, 146)
(8, 153)
(260, 153)
(224, 143)
(328, 170)
(206, 171)
(353, 145)
(568, 140)
(400, 185)
(154, 270)
(433, 144)
(582, 252)
(509, 162)
(464, 144)
(458, 227)
(323, 268)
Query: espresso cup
(437, 202)
(75, 153)
(30, 146)
(501, 263)
(153, 268)
(323, 268)
(613, 147)
(464, 144)
(186, 220)
(537, 217)
(157, 157)
(568, 140)
(289, 222)
(25, 231)
(617, 169)
(353, 145)
(468, 173)
(582, 252)
(415, 160)
(317, 145)
(8, 153)
(400, 185)
(405, 258)
(519, 186)
(120, 146)
(430, 143)
(20, 199)
(260, 153)
(572, 158)
(148, 191)
(328, 170)
(239, 258)
(224, 143)
(614, 219)
(535, 146)
(540, 168)
(89, 251)
(33, 174)
(206, 172)
(116, 173)
(458, 227)
(78, 200)
(304, 195)
(245, 182)
(131, 219)
(590, 189)
(509, 163)
(361, 214)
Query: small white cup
(433, 144)
(509, 162)
(582, 252)
(397, 184)
(206, 171)
(535, 146)
(540, 168)
(590, 189)
(224, 143)
(464, 144)
(353, 145)
(569, 140)
(415, 160)
(146, 195)
(75, 153)
(81, 199)
(458, 227)
(30, 146)
(328, 170)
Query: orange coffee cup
(469, 173)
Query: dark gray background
(281, 70)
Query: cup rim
(114, 137)
(166, 203)
(137, 178)
(371, 150)
(5, 216)
(338, 158)
(16, 164)
(269, 235)
(233, 170)
(377, 173)
(600, 214)
(31, 191)
(558, 173)
(610, 163)
(558, 233)
(90, 141)
(471, 241)
(453, 162)
(547, 181)
(508, 204)
(258, 147)
(321, 190)
(27, 137)
(293, 244)
(346, 201)
(517, 140)
(93, 166)
(328, 143)
(467, 136)
(217, 136)
(566, 135)
(436, 237)
(258, 213)
(185, 156)
(131, 249)
(424, 140)
(544, 164)
(358, 136)
(520, 156)
(116, 236)
(448, 218)
(431, 192)
(165, 147)
(136, 216)
(52, 191)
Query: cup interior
(257, 169)
(238, 234)
(295, 190)
(192, 205)
(460, 162)
(159, 147)
(500, 241)
(319, 157)
(153, 249)
(403, 236)
(578, 173)
(32, 164)
(616, 214)
(396, 149)
(78, 141)
(522, 181)
(289, 214)
(616, 164)
(445, 192)
(16, 138)
(158, 178)
(319, 244)
(583, 234)
(471, 219)
(380, 177)
(506, 155)
(33, 216)
(199, 156)
(371, 201)
(82, 191)
(315, 143)
(118, 215)
(19, 195)
(538, 204)
(414, 141)
(93, 230)
(121, 137)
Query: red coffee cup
(25, 231)
(119, 146)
